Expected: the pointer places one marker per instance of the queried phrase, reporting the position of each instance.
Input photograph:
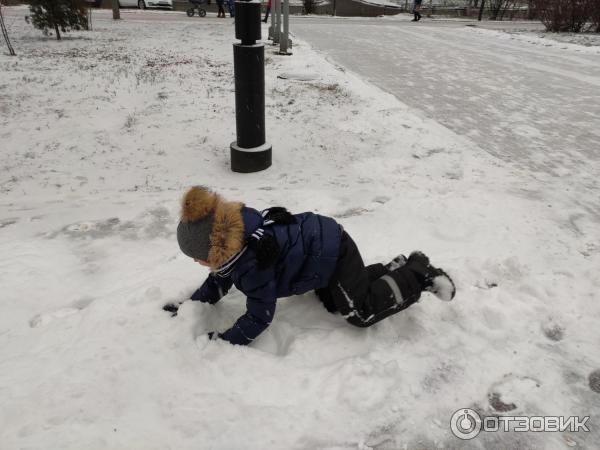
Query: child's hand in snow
(213, 335)
(172, 308)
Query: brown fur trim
(198, 203)
(227, 236)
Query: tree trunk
(57, 32)
(481, 10)
(11, 51)
(530, 10)
(115, 8)
(503, 12)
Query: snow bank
(101, 134)
(588, 43)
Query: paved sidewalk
(531, 104)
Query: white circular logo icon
(465, 424)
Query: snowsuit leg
(366, 295)
(374, 271)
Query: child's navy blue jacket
(308, 254)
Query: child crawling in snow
(273, 254)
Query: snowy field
(100, 135)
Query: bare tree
(11, 50)
(115, 9)
(496, 9)
(595, 17)
(481, 10)
(530, 10)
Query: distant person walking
(268, 11)
(221, 12)
(416, 9)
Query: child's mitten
(172, 308)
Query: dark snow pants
(366, 295)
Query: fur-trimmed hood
(227, 235)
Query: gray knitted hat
(211, 229)
(194, 237)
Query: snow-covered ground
(575, 42)
(101, 134)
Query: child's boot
(433, 279)
(396, 263)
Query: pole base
(248, 160)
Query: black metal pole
(251, 152)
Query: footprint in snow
(351, 213)
(502, 394)
(381, 199)
(7, 222)
(43, 319)
(426, 153)
(496, 402)
(553, 330)
(594, 381)
(358, 211)
(151, 223)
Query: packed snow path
(536, 104)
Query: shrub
(60, 15)
(309, 6)
(566, 15)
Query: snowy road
(532, 103)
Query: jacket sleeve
(260, 288)
(213, 289)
